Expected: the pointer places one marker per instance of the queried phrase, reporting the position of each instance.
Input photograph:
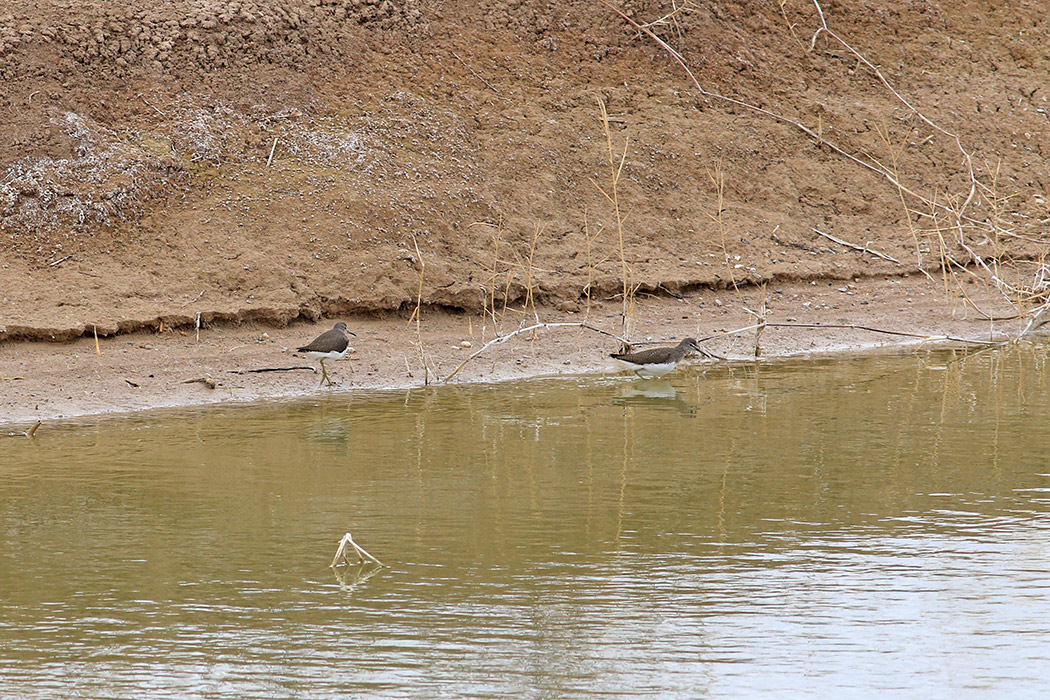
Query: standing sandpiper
(330, 345)
(655, 362)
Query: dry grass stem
(718, 180)
(489, 294)
(509, 274)
(613, 195)
(671, 18)
(588, 241)
(417, 313)
(530, 298)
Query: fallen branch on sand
(854, 246)
(534, 327)
(272, 369)
(925, 337)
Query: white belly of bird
(647, 371)
(327, 355)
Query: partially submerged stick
(31, 433)
(760, 318)
(344, 545)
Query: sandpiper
(655, 362)
(330, 345)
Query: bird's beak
(352, 333)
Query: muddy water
(877, 526)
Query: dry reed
(612, 194)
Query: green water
(867, 527)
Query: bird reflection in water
(654, 393)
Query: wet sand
(42, 381)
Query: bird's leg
(324, 374)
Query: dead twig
(159, 111)
(272, 369)
(760, 317)
(854, 246)
(676, 295)
(926, 337)
(31, 433)
(508, 336)
(475, 73)
(345, 545)
(270, 159)
(1034, 323)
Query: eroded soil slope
(164, 161)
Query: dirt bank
(251, 165)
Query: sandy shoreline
(195, 162)
(52, 381)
